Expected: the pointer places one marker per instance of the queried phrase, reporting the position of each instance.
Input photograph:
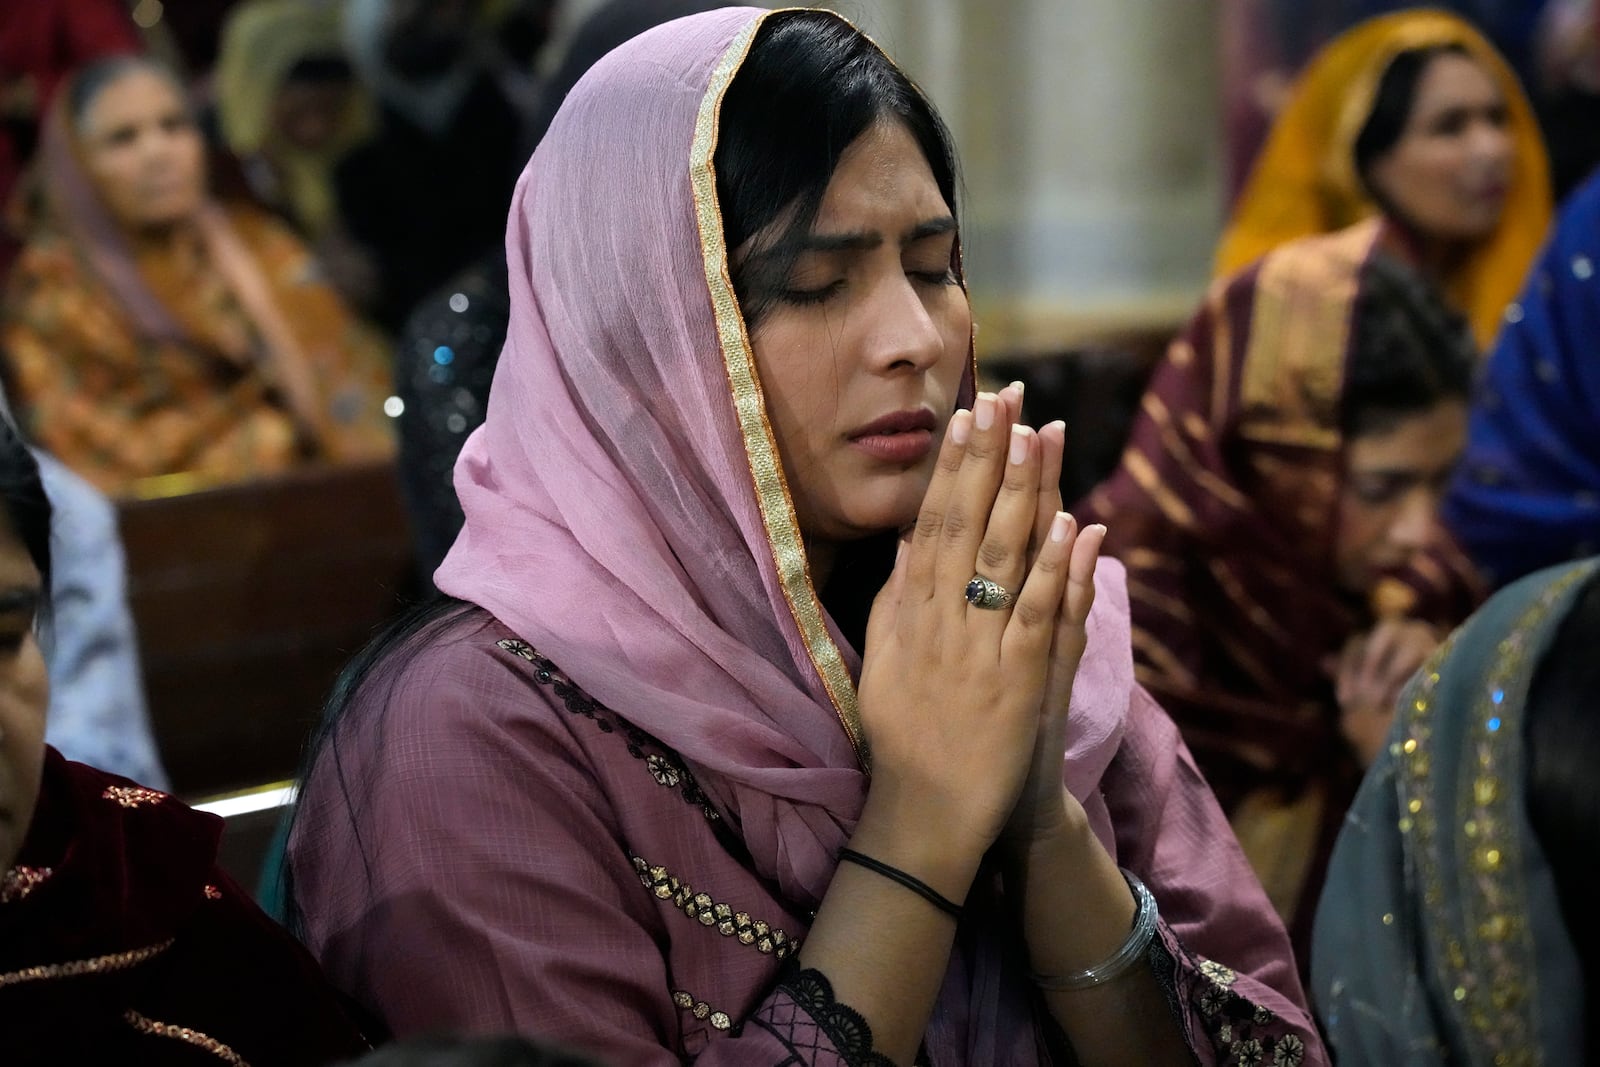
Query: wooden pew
(249, 599)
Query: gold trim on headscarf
(1293, 372)
(761, 448)
(1305, 182)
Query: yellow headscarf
(262, 42)
(1305, 180)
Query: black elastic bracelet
(895, 874)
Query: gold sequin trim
(719, 1020)
(762, 936)
(1487, 972)
(761, 449)
(18, 882)
(132, 796)
(187, 1036)
(117, 961)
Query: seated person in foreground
(121, 941)
(149, 331)
(1276, 508)
(1458, 925)
(691, 768)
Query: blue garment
(1527, 494)
(97, 704)
(1440, 938)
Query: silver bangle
(1131, 952)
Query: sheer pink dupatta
(625, 508)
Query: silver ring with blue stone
(987, 594)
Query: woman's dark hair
(331, 69)
(85, 86)
(27, 506)
(810, 86)
(1408, 350)
(1563, 792)
(1392, 103)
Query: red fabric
(127, 877)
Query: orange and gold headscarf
(1305, 181)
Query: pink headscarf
(626, 512)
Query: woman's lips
(906, 446)
(899, 437)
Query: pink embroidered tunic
(601, 803)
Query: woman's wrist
(1056, 824)
(921, 839)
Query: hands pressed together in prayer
(965, 706)
(964, 695)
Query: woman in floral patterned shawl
(149, 331)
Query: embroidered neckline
(116, 961)
(146, 1025)
(18, 882)
(132, 796)
(670, 773)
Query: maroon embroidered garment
(122, 942)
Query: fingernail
(1097, 529)
(1059, 426)
(1019, 386)
(961, 427)
(1019, 444)
(983, 411)
(1060, 527)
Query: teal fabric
(1439, 938)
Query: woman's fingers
(972, 496)
(1003, 553)
(1052, 445)
(1085, 558)
(923, 549)
(1033, 621)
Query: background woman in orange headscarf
(1415, 116)
(150, 331)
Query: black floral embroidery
(1241, 1032)
(1212, 1013)
(664, 767)
(820, 1023)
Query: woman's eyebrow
(862, 240)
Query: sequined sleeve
(1222, 955)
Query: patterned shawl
(1527, 494)
(1305, 181)
(1224, 509)
(1438, 879)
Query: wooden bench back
(249, 599)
